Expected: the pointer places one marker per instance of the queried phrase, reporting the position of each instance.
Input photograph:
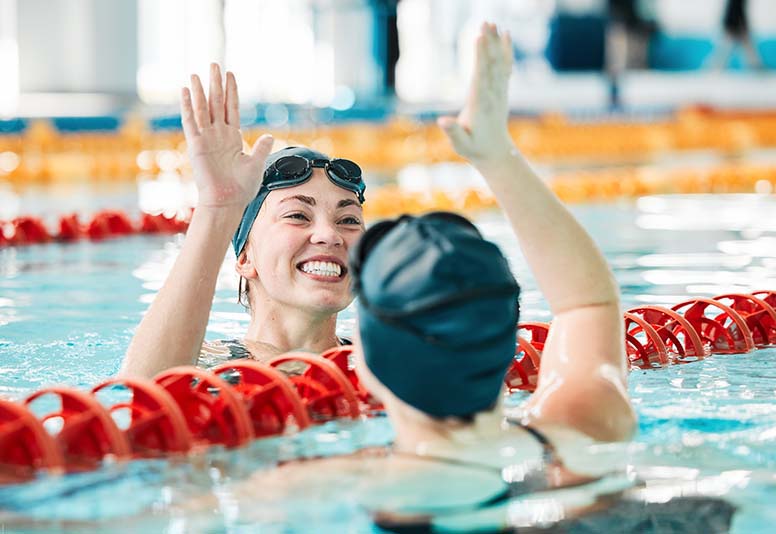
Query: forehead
(318, 187)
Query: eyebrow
(348, 202)
(311, 201)
(300, 198)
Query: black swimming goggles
(289, 171)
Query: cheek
(277, 254)
(351, 238)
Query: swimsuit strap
(550, 455)
(549, 452)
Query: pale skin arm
(582, 380)
(172, 331)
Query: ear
(244, 265)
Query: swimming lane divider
(27, 230)
(724, 333)
(323, 388)
(643, 344)
(656, 336)
(187, 409)
(85, 431)
(681, 340)
(269, 396)
(156, 424)
(523, 374)
(342, 357)
(25, 445)
(760, 316)
(182, 410)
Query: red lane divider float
(186, 408)
(109, 223)
(536, 333)
(324, 390)
(104, 224)
(643, 344)
(87, 433)
(160, 224)
(760, 316)
(523, 374)
(27, 231)
(25, 446)
(768, 296)
(268, 395)
(342, 357)
(725, 332)
(70, 228)
(156, 423)
(681, 340)
(214, 412)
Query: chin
(330, 303)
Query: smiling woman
(291, 233)
(299, 277)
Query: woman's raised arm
(582, 380)
(227, 179)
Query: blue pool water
(67, 313)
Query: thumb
(261, 148)
(455, 132)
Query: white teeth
(322, 268)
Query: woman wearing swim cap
(292, 217)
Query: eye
(297, 216)
(350, 220)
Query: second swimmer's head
(438, 308)
(293, 166)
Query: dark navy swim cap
(438, 310)
(343, 173)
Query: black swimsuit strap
(549, 452)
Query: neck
(419, 433)
(288, 329)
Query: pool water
(67, 312)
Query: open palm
(480, 131)
(225, 175)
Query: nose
(325, 232)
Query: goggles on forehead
(296, 169)
(289, 171)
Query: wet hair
(243, 297)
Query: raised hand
(479, 133)
(226, 177)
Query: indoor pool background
(67, 312)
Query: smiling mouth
(324, 269)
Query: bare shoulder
(316, 476)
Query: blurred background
(611, 98)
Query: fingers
(232, 101)
(506, 46)
(261, 148)
(494, 45)
(216, 100)
(480, 63)
(493, 48)
(201, 113)
(190, 128)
